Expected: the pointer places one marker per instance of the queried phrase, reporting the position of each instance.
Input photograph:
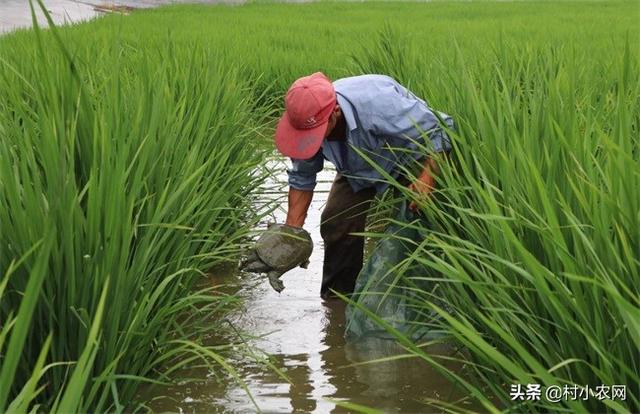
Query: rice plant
(135, 166)
(128, 155)
(534, 238)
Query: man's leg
(345, 212)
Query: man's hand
(425, 182)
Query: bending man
(370, 115)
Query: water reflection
(307, 343)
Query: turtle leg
(252, 263)
(274, 280)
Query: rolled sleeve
(302, 174)
(439, 138)
(440, 141)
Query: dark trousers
(345, 213)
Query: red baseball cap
(308, 106)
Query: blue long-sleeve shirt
(383, 121)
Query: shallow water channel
(304, 336)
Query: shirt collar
(347, 112)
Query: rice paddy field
(130, 154)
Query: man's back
(380, 115)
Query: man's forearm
(430, 169)
(299, 201)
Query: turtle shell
(284, 247)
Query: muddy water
(15, 14)
(304, 336)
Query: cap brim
(299, 143)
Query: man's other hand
(422, 187)
(424, 184)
